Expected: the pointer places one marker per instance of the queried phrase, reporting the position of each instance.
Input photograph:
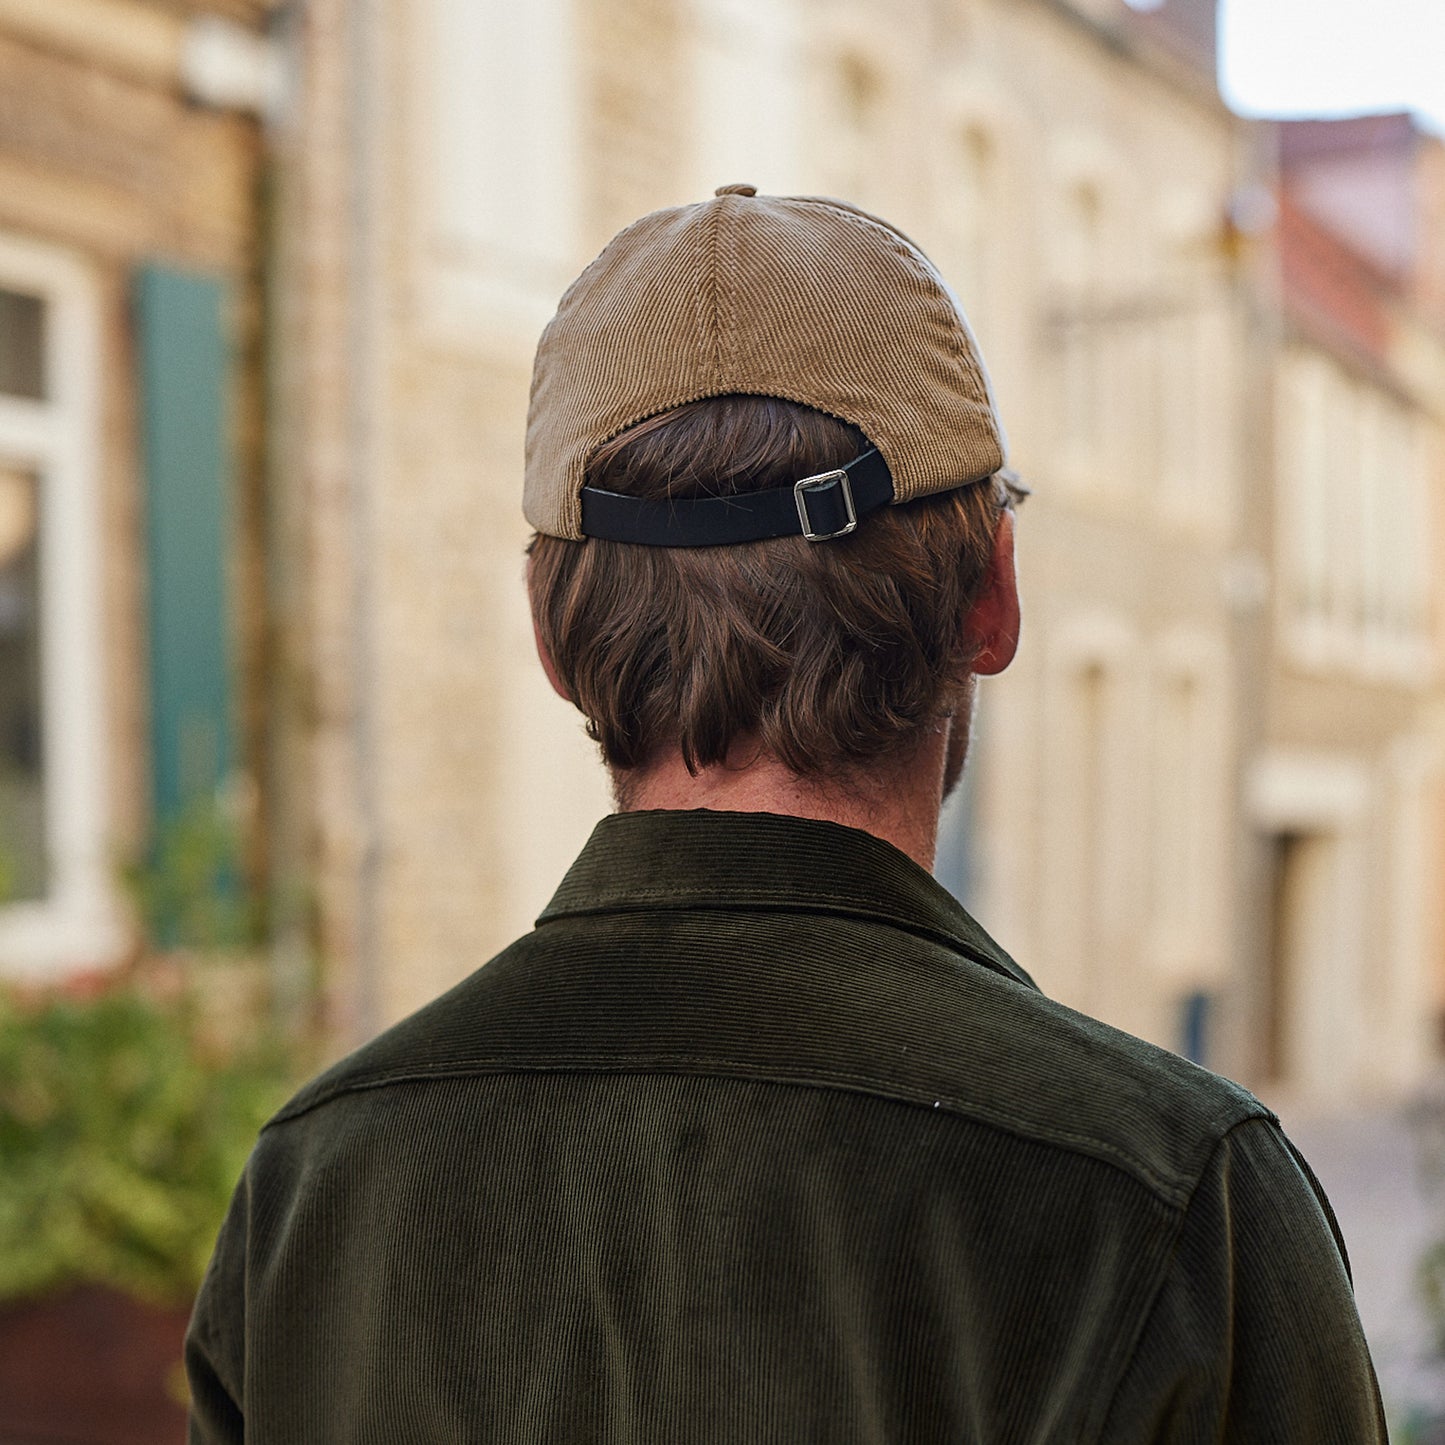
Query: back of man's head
(766, 474)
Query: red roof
(1340, 294)
(1305, 140)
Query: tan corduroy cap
(802, 298)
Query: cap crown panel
(804, 299)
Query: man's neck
(897, 801)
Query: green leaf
(121, 1138)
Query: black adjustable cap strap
(819, 508)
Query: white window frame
(1083, 162)
(1106, 642)
(1191, 767)
(77, 924)
(494, 207)
(1357, 599)
(969, 101)
(863, 167)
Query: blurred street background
(277, 764)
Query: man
(757, 1136)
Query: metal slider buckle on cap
(816, 486)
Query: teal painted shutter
(183, 369)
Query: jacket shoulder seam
(1175, 1193)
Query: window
(496, 162)
(1191, 474)
(1081, 241)
(855, 146)
(22, 345)
(1135, 838)
(1090, 720)
(1354, 524)
(746, 95)
(22, 799)
(1181, 753)
(972, 222)
(1092, 704)
(1138, 361)
(1188, 880)
(57, 908)
(1081, 332)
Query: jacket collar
(748, 862)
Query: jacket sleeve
(215, 1339)
(1253, 1335)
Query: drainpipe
(367, 322)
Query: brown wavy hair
(828, 655)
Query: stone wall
(1082, 184)
(103, 168)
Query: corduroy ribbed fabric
(803, 298)
(758, 1137)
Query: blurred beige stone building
(1073, 171)
(129, 444)
(1190, 810)
(1108, 224)
(1343, 789)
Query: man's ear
(991, 630)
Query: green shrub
(188, 888)
(123, 1131)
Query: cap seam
(712, 300)
(728, 289)
(907, 250)
(720, 303)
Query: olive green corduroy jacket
(758, 1137)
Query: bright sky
(1331, 57)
